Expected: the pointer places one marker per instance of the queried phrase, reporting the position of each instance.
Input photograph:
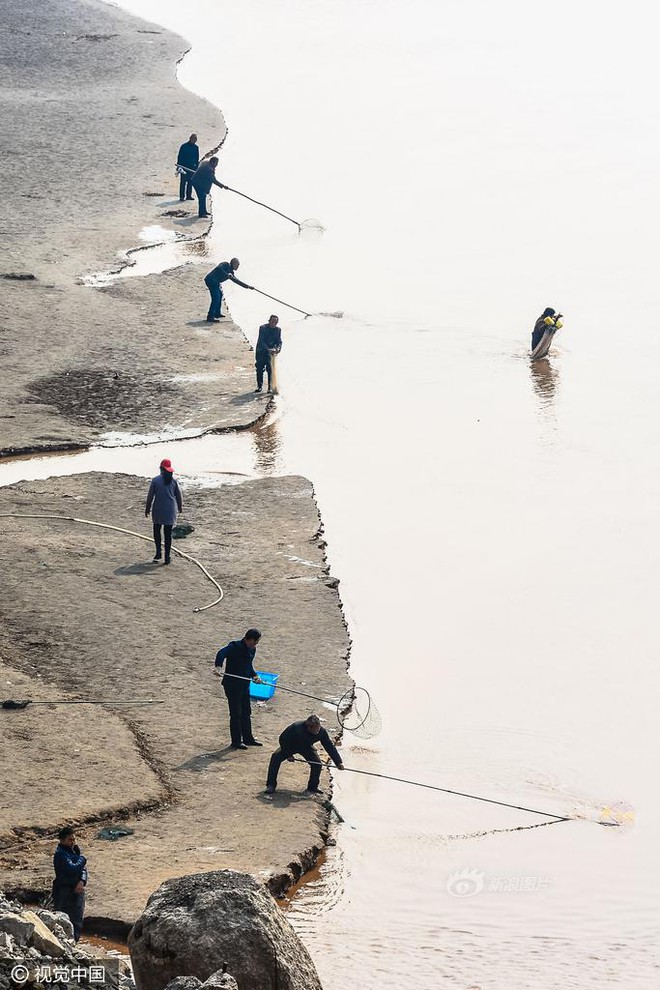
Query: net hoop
(357, 713)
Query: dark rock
(192, 925)
(220, 981)
(184, 983)
(18, 276)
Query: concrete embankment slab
(86, 610)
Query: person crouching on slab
(239, 671)
(70, 879)
(269, 339)
(164, 502)
(221, 273)
(300, 738)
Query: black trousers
(168, 540)
(309, 753)
(262, 363)
(72, 905)
(202, 212)
(240, 710)
(215, 309)
(185, 186)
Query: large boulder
(193, 925)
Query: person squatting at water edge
(202, 181)
(545, 320)
(70, 879)
(164, 501)
(301, 737)
(270, 339)
(221, 273)
(187, 163)
(239, 654)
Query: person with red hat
(164, 502)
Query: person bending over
(221, 273)
(270, 339)
(301, 737)
(202, 182)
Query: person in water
(164, 501)
(269, 340)
(548, 318)
(301, 737)
(225, 270)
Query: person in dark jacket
(221, 273)
(70, 879)
(545, 320)
(301, 737)
(202, 181)
(164, 501)
(269, 339)
(188, 163)
(239, 657)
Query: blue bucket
(264, 691)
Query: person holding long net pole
(300, 738)
(221, 273)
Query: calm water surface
(494, 524)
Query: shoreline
(119, 344)
(103, 304)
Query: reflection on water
(267, 441)
(545, 381)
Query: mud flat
(85, 614)
(92, 119)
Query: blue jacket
(240, 659)
(166, 499)
(189, 157)
(69, 866)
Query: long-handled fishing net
(615, 816)
(310, 224)
(356, 711)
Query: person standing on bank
(269, 339)
(164, 502)
(188, 162)
(221, 273)
(301, 737)
(70, 879)
(202, 182)
(239, 655)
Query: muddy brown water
(493, 523)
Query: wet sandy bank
(93, 119)
(85, 614)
